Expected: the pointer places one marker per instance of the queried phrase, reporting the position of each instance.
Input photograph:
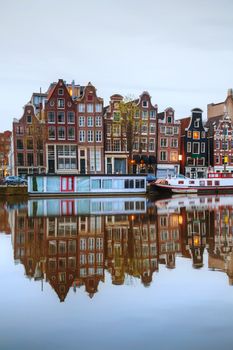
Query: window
(81, 121)
(29, 119)
(176, 131)
(71, 133)
(61, 133)
(203, 134)
(90, 136)
(90, 121)
(189, 147)
(81, 136)
(152, 128)
(174, 156)
(202, 147)
(61, 117)
(60, 103)
(116, 130)
(196, 135)
(174, 143)
(51, 117)
(162, 129)
(196, 123)
(152, 145)
(163, 142)
(152, 114)
(19, 144)
(116, 145)
(19, 130)
(144, 144)
(217, 144)
(163, 155)
(116, 116)
(145, 104)
(20, 160)
(95, 163)
(60, 91)
(70, 118)
(144, 114)
(98, 121)
(189, 134)
(169, 130)
(66, 156)
(30, 159)
(81, 107)
(169, 119)
(51, 132)
(29, 143)
(196, 147)
(98, 136)
(225, 145)
(144, 129)
(90, 107)
(98, 107)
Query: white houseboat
(214, 183)
(46, 185)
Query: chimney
(229, 92)
(73, 83)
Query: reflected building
(169, 236)
(221, 247)
(70, 244)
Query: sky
(180, 51)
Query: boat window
(209, 183)
(180, 182)
(217, 183)
(129, 184)
(139, 183)
(191, 182)
(96, 184)
(202, 183)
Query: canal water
(117, 273)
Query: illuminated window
(196, 135)
(174, 156)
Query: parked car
(14, 180)
(150, 178)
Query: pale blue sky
(180, 51)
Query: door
(51, 166)
(82, 166)
(67, 183)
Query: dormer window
(169, 119)
(29, 119)
(145, 104)
(60, 92)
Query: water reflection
(70, 243)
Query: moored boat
(213, 183)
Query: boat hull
(199, 190)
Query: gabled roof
(184, 123)
(213, 122)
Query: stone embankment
(16, 190)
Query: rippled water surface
(117, 273)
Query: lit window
(196, 135)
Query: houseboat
(56, 185)
(214, 183)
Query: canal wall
(8, 190)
